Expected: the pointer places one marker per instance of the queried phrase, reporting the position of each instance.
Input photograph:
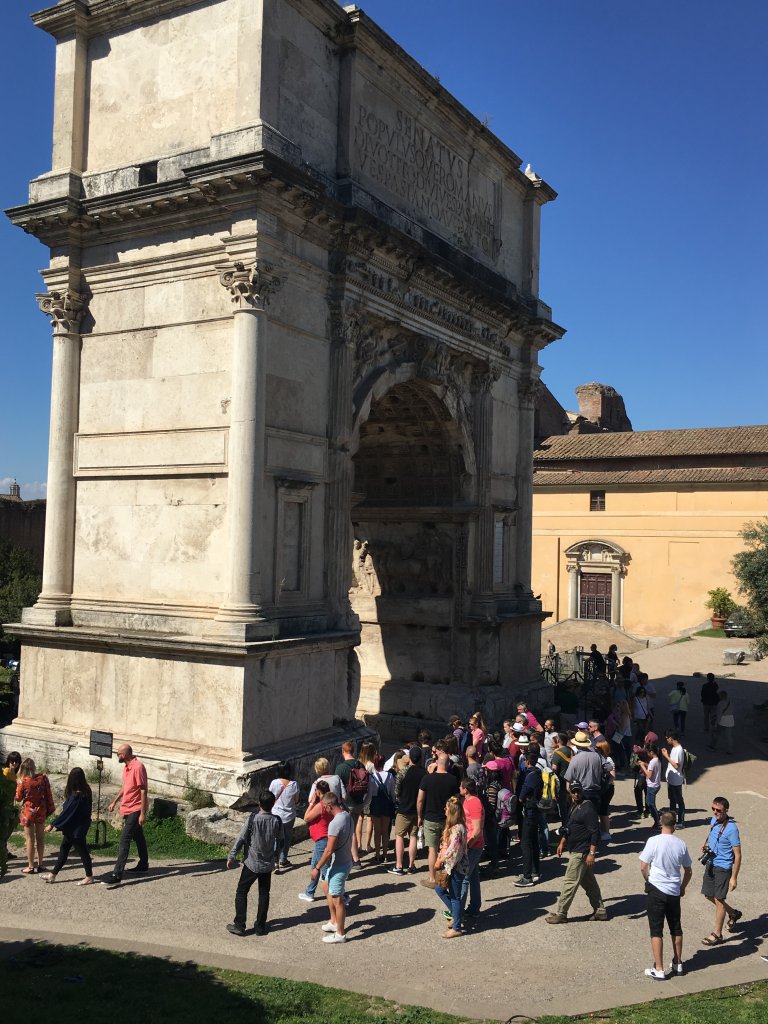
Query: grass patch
(77, 983)
(717, 634)
(740, 1004)
(166, 840)
(683, 640)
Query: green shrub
(197, 798)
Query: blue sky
(647, 116)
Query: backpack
(357, 783)
(548, 802)
(689, 761)
(465, 740)
(506, 808)
(481, 781)
(382, 804)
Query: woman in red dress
(33, 792)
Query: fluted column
(338, 529)
(573, 591)
(482, 587)
(247, 441)
(527, 390)
(53, 606)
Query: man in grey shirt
(338, 858)
(260, 836)
(586, 767)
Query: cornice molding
(76, 17)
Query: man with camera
(660, 863)
(721, 857)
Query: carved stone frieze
(251, 288)
(403, 559)
(66, 310)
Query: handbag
(441, 878)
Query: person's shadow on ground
(745, 940)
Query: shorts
(433, 834)
(405, 825)
(660, 906)
(714, 885)
(336, 877)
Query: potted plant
(722, 605)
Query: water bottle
(420, 838)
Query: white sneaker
(651, 972)
(307, 899)
(328, 927)
(676, 968)
(335, 937)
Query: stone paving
(181, 909)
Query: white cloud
(28, 491)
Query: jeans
(247, 878)
(317, 853)
(650, 801)
(641, 800)
(81, 845)
(284, 843)
(451, 897)
(529, 842)
(543, 834)
(132, 830)
(678, 717)
(471, 883)
(676, 802)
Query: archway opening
(409, 520)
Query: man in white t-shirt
(661, 861)
(674, 755)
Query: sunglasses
(718, 810)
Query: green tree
(20, 582)
(750, 567)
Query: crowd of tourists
(478, 801)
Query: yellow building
(634, 528)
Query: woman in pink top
(318, 817)
(479, 732)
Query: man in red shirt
(474, 813)
(134, 802)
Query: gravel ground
(181, 909)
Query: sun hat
(517, 727)
(582, 741)
(523, 741)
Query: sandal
(87, 881)
(29, 871)
(712, 939)
(49, 878)
(733, 919)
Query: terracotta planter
(718, 621)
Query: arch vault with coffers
(305, 495)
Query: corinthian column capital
(66, 310)
(251, 289)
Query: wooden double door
(595, 595)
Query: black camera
(707, 856)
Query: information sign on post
(100, 747)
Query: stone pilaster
(482, 420)
(250, 290)
(573, 591)
(527, 390)
(338, 530)
(66, 309)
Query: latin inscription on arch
(403, 156)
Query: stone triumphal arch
(294, 296)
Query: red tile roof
(704, 441)
(606, 478)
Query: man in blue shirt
(722, 870)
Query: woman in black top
(74, 822)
